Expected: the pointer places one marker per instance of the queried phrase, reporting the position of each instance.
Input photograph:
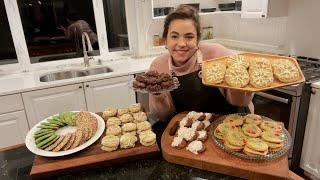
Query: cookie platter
(54, 136)
(245, 151)
(251, 72)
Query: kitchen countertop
(28, 81)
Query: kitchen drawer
(10, 103)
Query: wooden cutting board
(90, 157)
(216, 160)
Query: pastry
(129, 128)
(203, 135)
(110, 143)
(253, 119)
(139, 117)
(285, 71)
(147, 138)
(222, 130)
(114, 130)
(179, 142)
(109, 112)
(185, 122)
(196, 147)
(128, 141)
(271, 125)
(234, 119)
(125, 118)
(255, 146)
(122, 111)
(237, 76)
(237, 61)
(113, 121)
(197, 125)
(143, 126)
(261, 78)
(251, 130)
(214, 73)
(133, 108)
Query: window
(116, 24)
(7, 50)
(53, 28)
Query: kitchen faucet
(86, 58)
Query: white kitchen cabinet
(13, 128)
(40, 104)
(264, 8)
(114, 92)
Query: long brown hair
(183, 12)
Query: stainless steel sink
(73, 74)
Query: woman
(182, 35)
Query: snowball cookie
(179, 142)
(143, 126)
(139, 117)
(125, 118)
(122, 111)
(129, 127)
(197, 125)
(203, 135)
(128, 141)
(113, 121)
(185, 122)
(133, 108)
(147, 138)
(114, 130)
(110, 143)
(189, 134)
(109, 112)
(196, 147)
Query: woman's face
(181, 40)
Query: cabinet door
(254, 8)
(46, 102)
(114, 92)
(13, 128)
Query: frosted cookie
(203, 135)
(129, 128)
(272, 136)
(139, 117)
(238, 60)
(133, 108)
(232, 147)
(234, 119)
(197, 125)
(255, 146)
(188, 134)
(253, 119)
(196, 116)
(110, 143)
(128, 141)
(261, 78)
(237, 76)
(271, 126)
(251, 130)
(114, 130)
(260, 63)
(143, 126)
(179, 142)
(113, 121)
(206, 124)
(122, 111)
(125, 118)
(222, 130)
(285, 71)
(185, 122)
(209, 117)
(148, 138)
(191, 114)
(196, 147)
(236, 138)
(214, 73)
(109, 112)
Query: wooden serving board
(249, 88)
(90, 157)
(216, 160)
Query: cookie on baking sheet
(251, 130)
(237, 76)
(179, 142)
(255, 146)
(196, 147)
(261, 78)
(286, 71)
(234, 119)
(213, 73)
(253, 119)
(238, 60)
(271, 126)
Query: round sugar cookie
(253, 119)
(285, 71)
(261, 78)
(234, 119)
(256, 144)
(237, 76)
(236, 138)
(214, 73)
(251, 130)
(238, 60)
(272, 136)
(271, 126)
(222, 130)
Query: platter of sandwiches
(251, 136)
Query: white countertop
(28, 81)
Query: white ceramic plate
(31, 145)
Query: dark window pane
(7, 51)
(115, 16)
(53, 28)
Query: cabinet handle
(80, 87)
(87, 85)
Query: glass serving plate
(269, 156)
(175, 81)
